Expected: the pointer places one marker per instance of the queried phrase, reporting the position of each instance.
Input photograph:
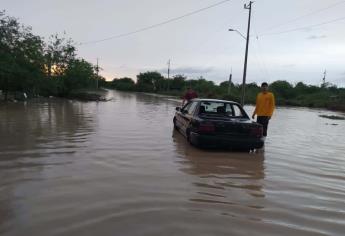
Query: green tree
(102, 82)
(282, 89)
(79, 74)
(27, 64)
(178, 82)
(124, 84)
(59, 52)
(21, 61)
(205, 87)
(149, 81)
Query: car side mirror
(178, 108)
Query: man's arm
(273, 105)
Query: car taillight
(206, 128)
(256, 131)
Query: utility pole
(97, 69)
(230, 80)
(169, 75)
(324, 77)
(249, 7)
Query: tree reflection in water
(34, 136)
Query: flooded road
(118, 168)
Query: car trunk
(239, 127)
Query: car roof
(212, 100)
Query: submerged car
(218, 123)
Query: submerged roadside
(77, 94)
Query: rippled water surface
(118, 168)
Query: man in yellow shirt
(264, 108)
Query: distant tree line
(30, 65)
(299, 94)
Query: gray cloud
(189, 70)
(289, 65)
(307, 29)
(317, 37)
(198, 42)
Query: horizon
(199, 44)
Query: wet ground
(118, 168)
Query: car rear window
(220, 108)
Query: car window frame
(231, 113)
(194, 109)
(243, 112)
(208, 112)
(183, 109)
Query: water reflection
(36, 136)
(70, 168)
(6, 212)
(223, 177)
(25, 126)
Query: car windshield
(220, 108)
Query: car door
(180, 115)
(187, 115)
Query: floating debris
(333, 117)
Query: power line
(263, 60)
(303, 16)
(158, 24)
(306, 27)
(260, 64)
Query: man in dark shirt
(190, 94)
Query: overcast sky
(293, 40)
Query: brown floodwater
(119, 168)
